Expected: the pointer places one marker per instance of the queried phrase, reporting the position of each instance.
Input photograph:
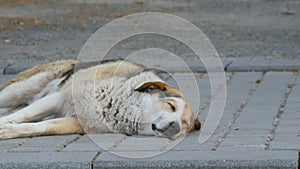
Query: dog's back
(56, 69)
(42, 79)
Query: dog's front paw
(8, 131)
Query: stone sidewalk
(260, 128)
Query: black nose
(154, 127)
(169, 130)
(172, 124)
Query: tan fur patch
(67, 125)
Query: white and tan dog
(116, 96)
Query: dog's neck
(123, 110)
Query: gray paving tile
(286, 145)
(287, 133)
(250, 119)
(83, 147)
(241, 133)
(107, 141)
(95, 142)
(84, 144)
(45, 144)
(143, 143)
(200, 159)
(6, 145)
(45, 160)
(264, 65)
(243, 141)
(237, 90)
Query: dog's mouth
(169, 130)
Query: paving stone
(292, 137)
(96, 142)
(143, 143)
(45, 160)
(243, 142)
(271, 81)
(285, 145)
(264, 65)
(287, 129)
(6, 145)
(107, 141)
(237, 90)
(290, 122)
(199, 159)
(250, 125)
(287, 133)
(240, 133)
(84, 143)
(45, 144)
(83, 147)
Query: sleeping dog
(71, 97)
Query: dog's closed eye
(185, 122)
(172, 106)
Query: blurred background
(40, 31)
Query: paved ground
(258, 42)
(259, 128)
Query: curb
(264, 65)
(228, 66)
(206, 159)
(172, 159)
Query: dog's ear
(150, 86)
(196, 126)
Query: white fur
(101, 101)
(10, 130)
(26, 90)
(43, 107)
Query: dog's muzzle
(170, 130)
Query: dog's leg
(23, 92)
(59, 126)
(43, 107)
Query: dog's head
(166, 111)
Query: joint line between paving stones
(280, 111)
(93, 160)
(235, 115)
(19, 144)
(210, 98)
(117, 142)
(67, 143)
